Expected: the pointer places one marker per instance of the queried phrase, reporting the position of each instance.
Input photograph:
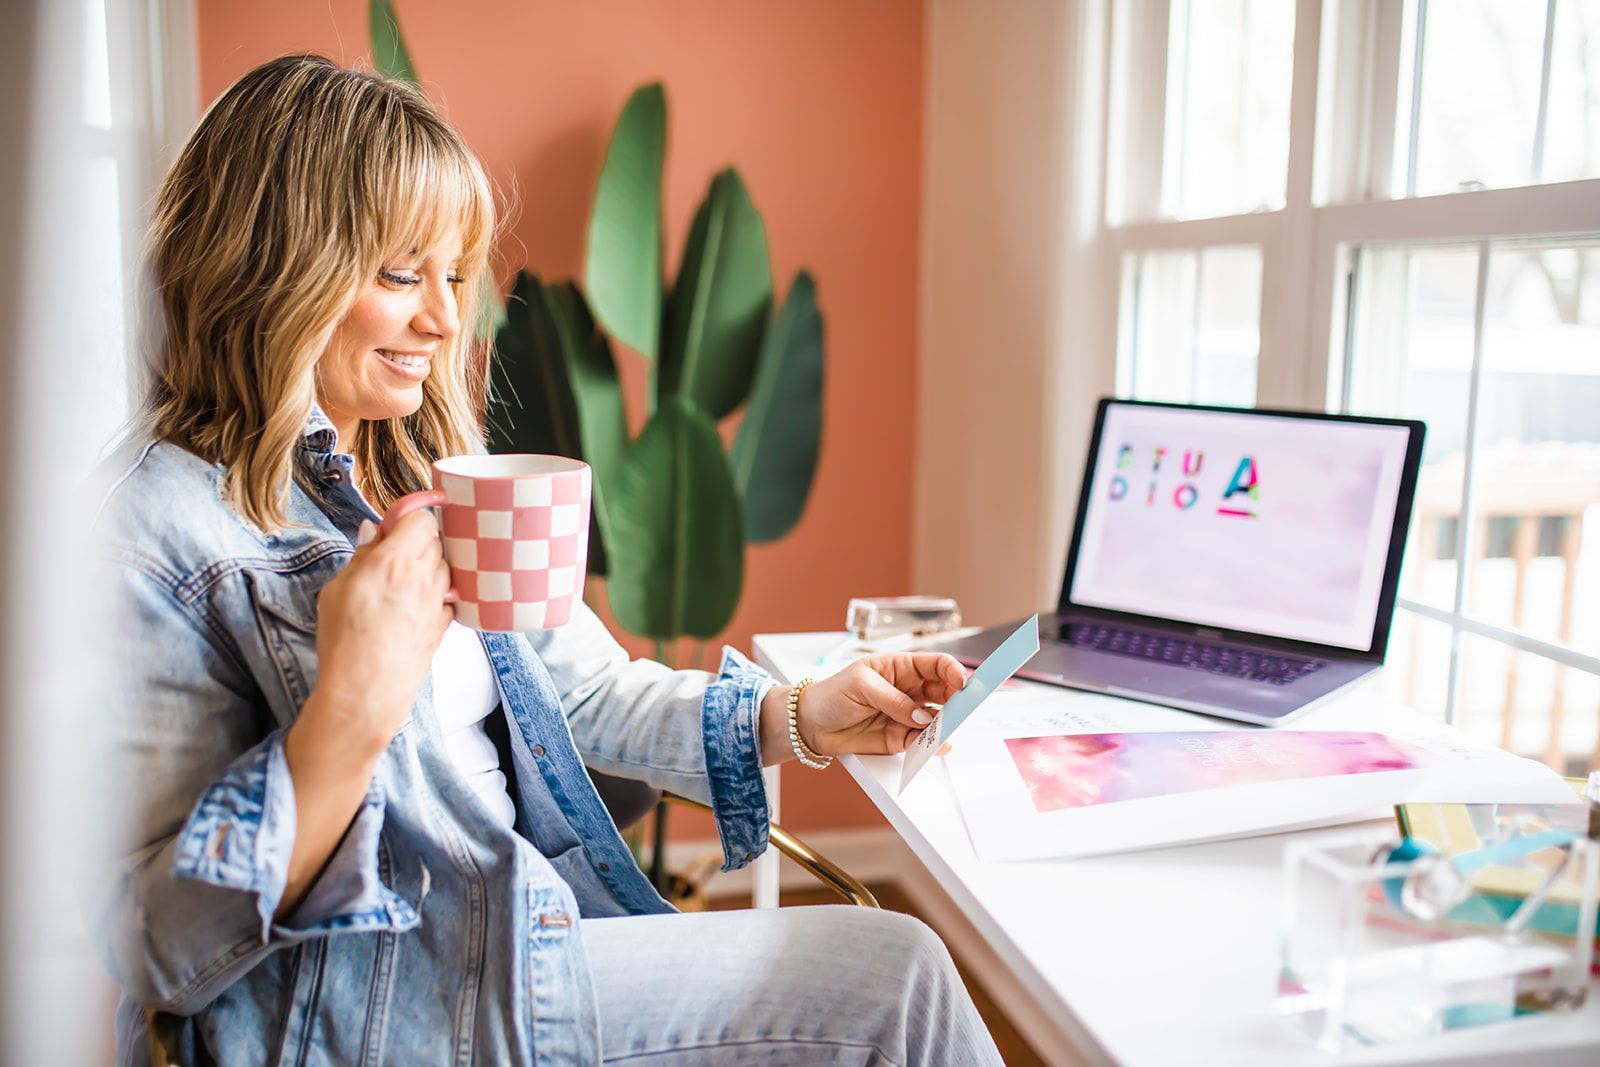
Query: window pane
(1229, 69)
(96, 67)
(1416, 669)
(102, 399)
(1191, 325)
(1536, 489)
(1572, 131)
(1480, 94)
(1482, 86)
(1528, 704)
(1411, 357)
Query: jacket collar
(319, 435)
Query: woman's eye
(396, 278)
(456, 279)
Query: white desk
(1155, 958)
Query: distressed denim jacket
(436, 934)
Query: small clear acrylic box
(1359, 967)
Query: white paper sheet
(1005, 823)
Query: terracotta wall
(818, 104)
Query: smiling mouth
(412, 366)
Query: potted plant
(673, 510)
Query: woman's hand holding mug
(379, 622)
(507, 552)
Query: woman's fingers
(416, 536)
(932, 676)
(897, 738)
(880, 694)
(946, 670)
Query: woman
(361, 833)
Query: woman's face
(383, 351)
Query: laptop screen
(1271, 524)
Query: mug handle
(422, 498)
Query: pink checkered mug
(516, 536)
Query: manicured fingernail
(366, 533)
(921, 717)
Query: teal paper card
(989, 675)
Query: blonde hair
(299, 182)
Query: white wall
(1017, 337)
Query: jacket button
(604, 867)
(538, 750)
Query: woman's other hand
(876, 705)
(379, 623)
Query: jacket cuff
(731, 723)
(240, 836)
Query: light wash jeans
(792, 986)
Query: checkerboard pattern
(517, 547)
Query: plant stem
(666, 652)
(699, 655)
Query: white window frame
(1341, 168)
(154, 57)
(55, 358)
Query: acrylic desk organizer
(1381, 946)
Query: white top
(464, 693)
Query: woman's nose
(439, 315)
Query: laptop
(1240, 563)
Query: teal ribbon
(1411, 849)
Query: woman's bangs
(430, 200)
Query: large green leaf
(389, 53)
(532, 407)
(775, 452)
(677, 550)
(720, 303)
(622, 264)
(592, 372)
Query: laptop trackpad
(1229, 693)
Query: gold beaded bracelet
(802, 750)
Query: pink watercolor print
(1082, 770)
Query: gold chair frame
(809, 859)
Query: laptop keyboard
(1188, 652)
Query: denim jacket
(436, 934)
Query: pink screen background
(1308, 565)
